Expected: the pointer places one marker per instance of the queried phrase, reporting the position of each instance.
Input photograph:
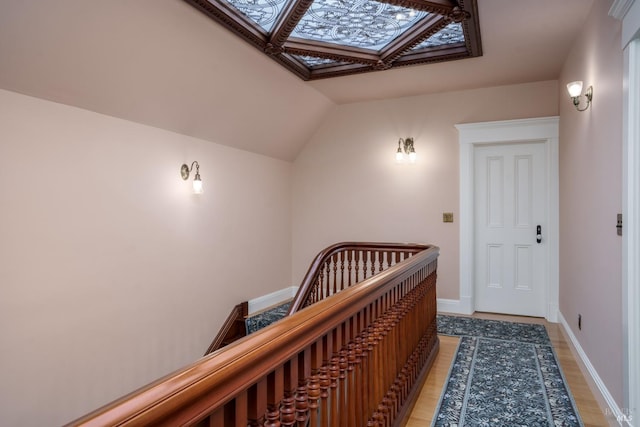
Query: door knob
(539, 234)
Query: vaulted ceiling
(166, 64)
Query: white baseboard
(613, 410)
(269, 300)
(452, 306)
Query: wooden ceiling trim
(288, 20)
(330, 51)
(221, 12)
(443, 7)
(431, 55)
(472, 29)
(293, 65)
(413, 37)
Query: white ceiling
(165, 64)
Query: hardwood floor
(590, 411)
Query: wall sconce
(405, 148)
(197, 181)
(575, 90)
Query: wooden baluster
(365, 265)
(343, 404)
(324, 382)
(380, 261)
(275, 392)
(321, 283)
(225, 416)
(257, 403)
(288, 408)
(349, 265)
(327, 283)
(373, 369)
(313, 387)
(389, 361)
(342, 280)
(240, 409)
(396, 359)
(372, 256)
(364, 384)
(216, 418)
(381, 415)
(334, 376)
(313, 393)
(353, 399)
(302, 401)
(302, 405)
(335, 273)
(386, 363)
(374, 259)
(272, 417)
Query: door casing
(544, 130)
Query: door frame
(543, 130)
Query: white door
(510, 204)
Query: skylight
(356, 23)
(327, 38)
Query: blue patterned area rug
(503, 374)
(265, 318)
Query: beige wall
(590, 197)
(112, 272)
(347, 186)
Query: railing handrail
(314, 269)
(210, 382)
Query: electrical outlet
(580, 321)
(447, 217)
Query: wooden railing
(352, 359)
(345, 264)
(233, 328)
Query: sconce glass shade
(575, 91)
(185, 170)
(413, 156)
(574, 88)
(399, 154)
(197, 184)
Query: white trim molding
(613, 409)
(631, 228)
(269, 300)
(628, 11)
(619, 8)
(544, 129)
(453, 306)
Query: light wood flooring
(590, 411)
